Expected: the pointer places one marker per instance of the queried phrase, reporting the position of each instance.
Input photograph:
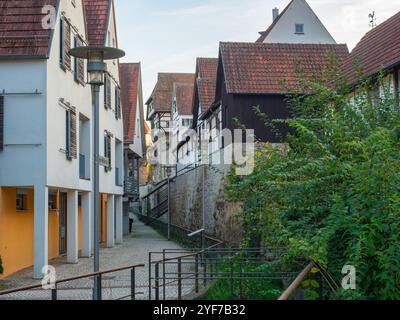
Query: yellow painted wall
(103, 218)
(16, 232)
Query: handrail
(89, 275)
(296, 283)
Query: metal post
(169, 209)
(179, 279)
(99, 288)
(133, 284)
(164, 280)
(157, 281)
(205, 272)
(96, 190)
(241, 280)
(232, 284)
(54, 294)
(197, 274)
(150, 275)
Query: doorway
(63, 223)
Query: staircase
(156, 202)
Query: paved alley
(135, 250)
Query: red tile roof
(184, 98)
(21, 31)
(378, 49)
(129, 79)
(97, 17)
(273, 68)
(163, 91)
(206, 78)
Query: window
(70, 143)
(187, 122)
(299, 28)
(21, 202)
(107, 150)
(53, 201)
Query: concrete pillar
(110, 221)
(72, 227)
(41, 230)
(119, 219)
(87, 225)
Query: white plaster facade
(37, 95)
(299, 12)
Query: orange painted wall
(103, 218)
(16, 232)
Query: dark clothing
(130, 225)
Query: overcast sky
(168, 35)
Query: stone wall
(187, 204)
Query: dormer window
(299, 28)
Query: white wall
(61, 84)
(110, 123)
(23, 161)
(299, 12)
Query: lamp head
(96, 56)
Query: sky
(168, 35)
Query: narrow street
(135, 250)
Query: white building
(297, 23)
(46, 154)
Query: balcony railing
(131, 187)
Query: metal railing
(35, 290)
(180, 274)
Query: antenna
(372, 21)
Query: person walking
(131, 217)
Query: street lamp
(96, 67)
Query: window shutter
(81, 66)
(62, 50)
(67, 45)
(75, 59)
(1, 123)
(109, 153)
(117, 103)
(71, 135)
(107, 92)
(74, 148)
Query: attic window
(299, 28)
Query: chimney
(275, 14)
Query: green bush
(332, 195)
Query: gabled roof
(264, 34)
(378, 49)
(130, 85)
(273, 68)
(312, 19)
(21, 31)
(163, 91)
(206, 79)
(97, 18)
(184, 98)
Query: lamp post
(96, 68)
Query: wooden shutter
(107, 91)
(71, 135)
(117, 103)
(1, 123)
(81, 66)
(62, 33)
(67, 45)
(74, 132)
(107, 150)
